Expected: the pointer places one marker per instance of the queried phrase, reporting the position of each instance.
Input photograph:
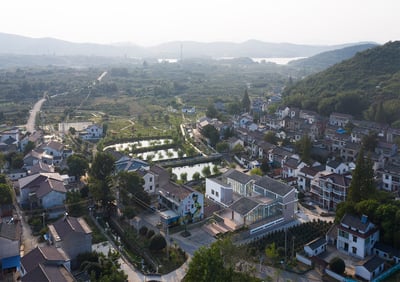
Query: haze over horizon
(152, 22)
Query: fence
(303, 259)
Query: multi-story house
(390, 177)
(154, 178)
(184, 203)
(306, 175)
(329, 189)
(340, 120)
(336, 167)
(10, 243)
(291, 167)
(356, 236)
(349, 151)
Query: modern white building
(219, 191)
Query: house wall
(149, 183)
(310, 252)
(76, 243)
(289, 203)
(363, 272)
(53, 199)
(217, 192)
(361, 248)
(192, 207)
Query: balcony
(339, 192)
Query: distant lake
(279, 61)
(166, 60)
(191, 169)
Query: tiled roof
(338, 179)
(45, 254)
(387, 249)
(373, 263)
(238, 176)
(243, 205)
(315, 244)
(41, 167)
(334, 164)
(273, 185)
(36, 179)
(176, 191)
(50, 185)
(292, 163)
(48, 273)
(57, 146)
(355, 222)
(10, 231)
(68, 224)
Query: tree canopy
(77, 165)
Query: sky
(150, 22)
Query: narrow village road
(30, 125)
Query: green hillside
(324, 60)
(366, 86)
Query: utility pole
(285, 243)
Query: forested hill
(324, 60)
(367, 85)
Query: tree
(246, 103)
(304, 148)
(222, 147)
(207, 265)
(78, 165)
(6, 195)
(102, 165)
(337, 265)
(272, 253)
(215, 169)
(369, 142)
(362, 185)
(210, 132)
(101, 190)
(29, 147)
(256, 171)
(184, 176)
(211, 111)
(238, 149)
(133, 183)
(206, 171)
(74, 203)
(157, 243)
(72, 130)
(196, 176)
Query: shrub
(337, 265)
(143, 230)
(157, 243)
(150, 233)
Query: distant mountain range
(324, 60)
(20, 45)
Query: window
(343, 234)
(355, 239)
(151, 187)
(216, 193)
(354, 250)
(151, 179)
(212, 191)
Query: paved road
(30, 125)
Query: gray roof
(10, 231)
(67, 225)
(315, 244)
(45, 254)
(238, 176)
(49, 273)
(243, 205)
(334, 164)
(373, 263)
(273, 186)
(355, 222)
(387, 249)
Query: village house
(92, 132)
(315, 247)
(154, 178)
(10, 243)
(356, 236)
(340, 120)
(185, 205)
(241, 183)
(329, 189)
(337, 167)
(387, 252)
(370, 268)
(46, 263)
(390, 177)
(72, 234)
(43, 190)
(349, 152)
(35, 156)
(306, 175)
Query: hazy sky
(149, 22)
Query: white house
(92, 132)
(370, 268)
(53, 148)
(339, 119)
(336, 167)
(219, 191)
(315, 247)
(390, 178)
(387, 252)
(356, 236)
(154, 178)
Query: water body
(190, 170)
(160, 154)
(138, 144)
